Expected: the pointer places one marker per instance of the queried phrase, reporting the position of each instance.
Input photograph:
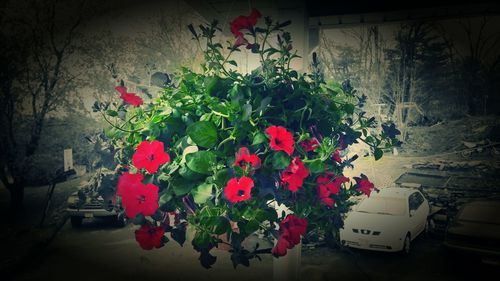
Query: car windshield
(383, 205)
(481, 213)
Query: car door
(422, 212)
(419, 211)
(412, 211)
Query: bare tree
(38, 84)
(169, 44)
(476, 65)
(108, 56)
(361, 59)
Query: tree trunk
(471, 104)
(16, 199)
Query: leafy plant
(238, 145)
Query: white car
(387, 221)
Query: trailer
(447, 191)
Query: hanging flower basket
(217, 150)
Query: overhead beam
(427, 14)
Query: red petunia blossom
(281, 247)
(328, 185)
(136, 196)
(332, 184)
(127, 97)
(310, 145)
(291, 228)
(150, 237)
(293, 176)
(281, 139)
(238, 190)
(244, 158)
(336, 156)
(244, 22)
(128, 181)
(324, 196)
(150, 155)
(240, 41)
(364, 185)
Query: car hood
(376, 222)
(475, 229)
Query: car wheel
(407, 245)
(121, 220)
(76, 221)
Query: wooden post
(68, 159)
(287, 268)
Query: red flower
(364, 185)
(136, 196)
(240, 41)
(244, 158)
(127, 181)
(281, 139)
(150, 237)
(310, 145)
(238, 190)
(293, 176)
(281, 247)
(336, 156)
(324, 196)
(150, 155)
(328, 186)
(129, 98)
(332, 185)
(291, 229)
(243, 22)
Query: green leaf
(251, 226)
(258, 139)
(202, 161)
(202, 193)
(202, 238)
(221, 177)
(222, 226)
(232, 62)
(203, 133)
(271, 215)
(247, 112)
(271, 51)
(378, 153)
(260, 215)
(233, 93)
(110, 132)
(148, 179)
(182, 186)
(349, 108)
(239, 171)
(211, 84)
(280, 160)
(189, 174)
(111, 113)
(139, 219)
(180, 190)
(264, 104)
(164, 198)
(316, 166)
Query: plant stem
(116, 127)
